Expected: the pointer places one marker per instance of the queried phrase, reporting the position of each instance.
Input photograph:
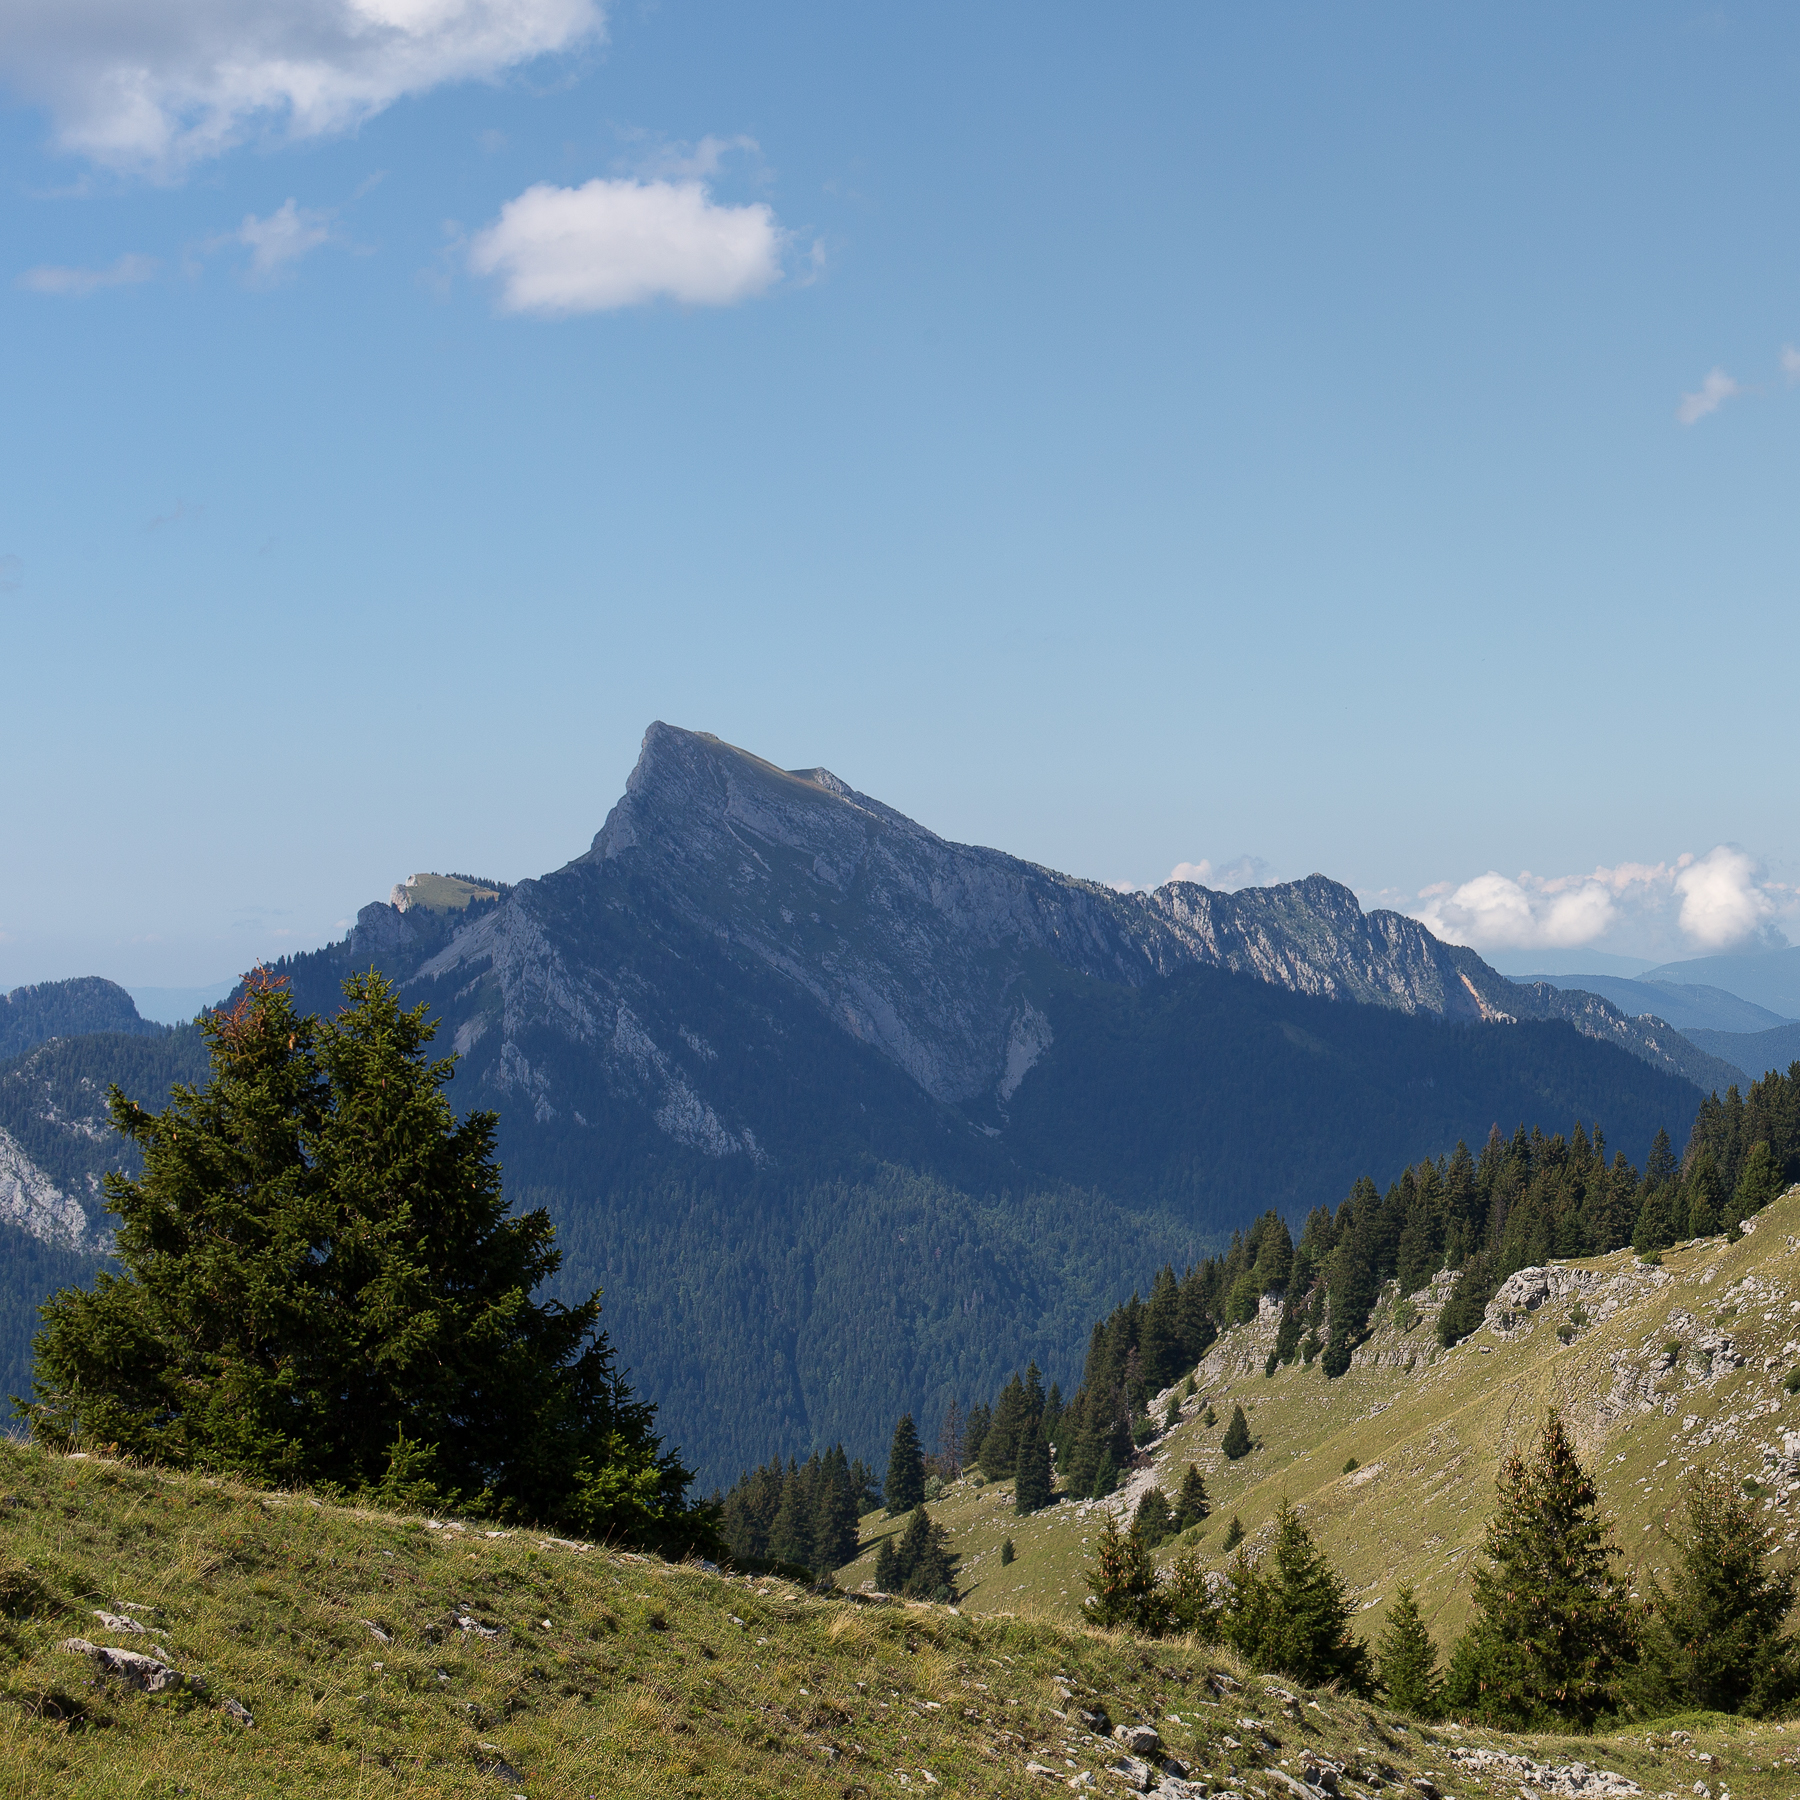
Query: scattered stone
(232, 1710)
(1140, 1740)
(1037, 1768)
(1574, 1780)
(1425, 1786)
(117, 1622)
(131, 1666)
(1096, 1721)
(1133, 1772)
(466, 1625)
(375, 1631)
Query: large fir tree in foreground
(1553, 1631)
(322, 1283)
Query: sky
(1244, 441)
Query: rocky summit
(848, 1119)
(921, 949)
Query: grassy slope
(608, 1675)
(1430, 1427)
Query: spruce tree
(1189, 1597)
(1153, 1521)
(1106, 1477)
(1192, 1505)
(835, 1515)
(1234, 1534)
(1290, 1615)
(1552, 1631)
(905, 1485)
(1704, 1200)
(1000, 1443)
(1407, 1659)
(924, 1567)
(1655, 1229)
(1717, 1640)
(887, 1566)
(321, 1281)
(1236, 1442)
(1122, 1582)
(1006, 1552)
(1759, 1182)
(1031, 1472)
(791, 1537)
(974, 1432)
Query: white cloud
(126, 272)
(281, 239)
(1711, 394)
(1722, 901)
(1718, 901)
(155, 87)
(1790, 362)
(1241, 872)
(609, 244)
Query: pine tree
(322, 1281)
(1192, 1505)
(1236, 1442)
(887, 1566)
(1290, 1615)
(1106, 1477)
(1758, 1184)
(905, 1485)
(924, 1566)
(835, 1517)
(1000, 1443)
(974, 1432)
(1031, 1472)
(1189, 1597)
(1407, 1659)
(1655, 1229)
(1717, 1640)
(1234, 1533)
(1552, 1631)
(1122, 1582)
(791, 1537)
(1153, 1521)
(1704, 1199)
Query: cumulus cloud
(280, 240)
(154, 88)
(559, 251)
(1711, 394)
(75, 283)
(1790, 362)
(1697, 904)
(1240, 872)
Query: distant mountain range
(1769, 978)
(1688, 1006)
(850, 1119)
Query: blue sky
(1131, 437)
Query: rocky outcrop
(915, 946)
(33, 1202)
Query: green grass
(1428, 1429)
(612, 1674)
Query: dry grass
(649, 1679)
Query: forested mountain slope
(30, 1016)
(845, 1117)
